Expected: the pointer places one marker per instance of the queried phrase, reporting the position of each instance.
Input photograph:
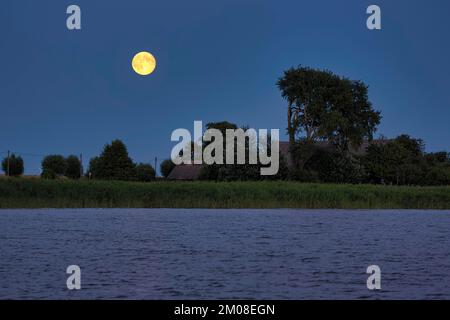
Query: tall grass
(37, 193)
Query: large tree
(325, 106)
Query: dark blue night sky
(69, 92)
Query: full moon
(144, 63)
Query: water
(224, 254)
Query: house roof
(185, 172)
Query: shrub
(438, 176)
(48, 174)
(145, 172)
(304, 175)
(335, 167)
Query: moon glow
(144, 63)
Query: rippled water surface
(224, 254)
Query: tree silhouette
(15, 164)
(113, 163)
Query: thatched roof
(185, 172)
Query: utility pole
(156, 161)
(7, 166)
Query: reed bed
(38, 193)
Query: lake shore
(38, 193)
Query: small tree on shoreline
(73, 167)
(54, 163)
(13, 165)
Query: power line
(19, 153)
(29, 154)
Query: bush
(145, 172)
(48, 174)
(335, 167)
(167, 167)
(15, 165)
(304, 175)
(242, 172)
(55, 163)
(438, 176)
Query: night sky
(70, 92)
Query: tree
(113, 163)
(167, 167)
(145, 172)
(233, 172)
(324, 106)
(73, 167)
(15, 164)
(55, 163)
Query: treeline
(113, 163)
(53, 166)
(399, 161)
